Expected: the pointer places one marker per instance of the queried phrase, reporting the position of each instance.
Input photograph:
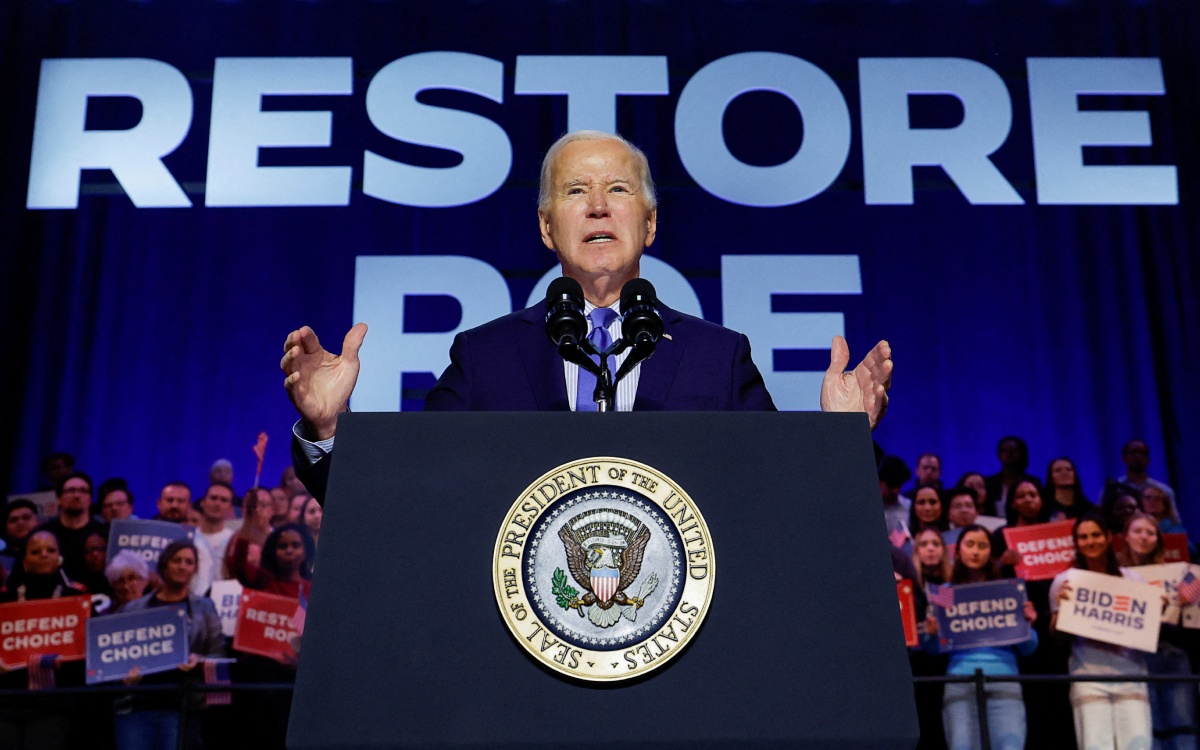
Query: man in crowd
(1136, 456)
(74, 523)
(893, 473)
(597, 212)
(215, 507)
(115, 500)
(174, 501)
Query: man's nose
(597, 204)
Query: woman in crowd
(312, 515)
(927, 511)
(931, 558)
(258, 509)
(1158, 504)
(1026, 508)
(1064, 496)
(1005, 709)
(1172, 704)
(128, 576)
(1047, 705)
(1107, 714)
(286, 565)
(40, 576)
(286, 570)
(151, 720)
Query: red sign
(908, 612)
(1175, 548)
(45, 626)
(1045, 549)
(265, 627)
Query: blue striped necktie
(601, 318)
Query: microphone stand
(605, 394)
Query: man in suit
(598, 213)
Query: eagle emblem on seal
(604, 548)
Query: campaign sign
(1046, 549)
(991, 523)
(1175, 548)
(265, 627)
(146, 539)
(908, 612)
(1111, 609)
(1190, 613)
(227, 595)
(45, 626)
(154, 640)
(983, 614)
(1165, 577)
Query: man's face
(21, 521)
(116, 505)
(76, 497)
(598, 221)
(173, 503)
(929, 470)
(216, 503)
(889, 492)
(962, 511)
(1009, 454)
(1136, 457)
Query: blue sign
(983, 614)
(146, 539)
(154, 640)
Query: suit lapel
(658, 372)
(543, 366)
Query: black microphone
(565, 322)
(641, 325)
(640, 321)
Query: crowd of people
(938, 539)
(266, 539)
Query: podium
(405, 645)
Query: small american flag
(1189, 588)
(898, 536)
(301, 613)
(216, 672)
(943, 595)
(41, 671)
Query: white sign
(227, 595)
(1165, 577)
(1112, 609)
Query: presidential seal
(603, 569)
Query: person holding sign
(1107, 714)
(1172, 704)
(152, 720)
(1005, 708)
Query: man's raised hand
(320, 382)
(862, 389)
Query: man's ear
(651, 226)
(544, 228)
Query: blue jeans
(1173, 704)
(146, 730)
(1005, 715)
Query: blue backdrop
(145, 340)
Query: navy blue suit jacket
(510, 365)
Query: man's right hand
(320, 382)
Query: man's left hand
(862, 389)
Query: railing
(980, 681)
(186, 692)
